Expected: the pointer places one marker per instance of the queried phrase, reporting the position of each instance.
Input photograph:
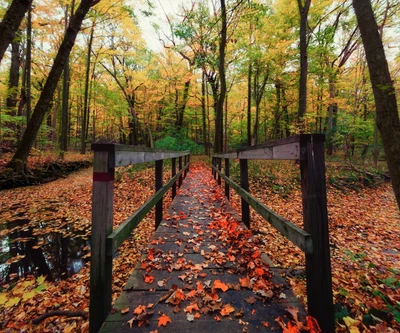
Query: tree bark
(218, 144)
(203, 112)
(14, 76)
(20, 158)
(11, 22)
(28, 66)
(249, 104)
(86, 97)
(387, 115)
(65, 95)
(303, 9)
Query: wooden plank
(102, 219)
(315, 215)
(292, 232)
(219, 163)
(123, 158)
(116, 238)
(137, 291)
(173, 171)
(244, 182)
(180, 168)
(227, 174)
(158, 185)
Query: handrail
(308, 149)
(116, 238)
(296, 235)
(105, 241)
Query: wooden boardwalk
(202, 271)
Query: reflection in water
(50, 254)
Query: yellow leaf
(351, 324)
(41, 279)
(3, 298)
(12, 301)
(28, 295)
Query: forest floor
(364, 224)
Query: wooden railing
(308, 149)
(105, 241)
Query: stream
(26, 250)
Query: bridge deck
(203, 270)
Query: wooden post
(227, 174)
(102, 219)
(244, 183)
(186, 162)
(219, 163)
(315, 215)
(159, 184)
(188, 169)
(173, 175)
(180, 168)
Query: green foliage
(179, 143)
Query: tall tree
(11, 22)
(219, 111)
(387, 114)
(304, 6)
(65, 94)
(86, 94)
(20, 157)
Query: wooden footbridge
(203, 270)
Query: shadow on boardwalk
(202, 271)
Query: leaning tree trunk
(11, 22)
(20, 158)
(387, 115)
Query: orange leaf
(313, 324)
(244, 282)
(139, 310)
(259, 271)
(164, 320)
(191, 307)
(149, 279)
(256, 254)
(227, 309)
(217, 318)
(197, 315)
(220, 285)
(265, 323)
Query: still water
(27, 250)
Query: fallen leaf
(220, 285)
(124, 310)
(164, 320)
(226, 310)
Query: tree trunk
(303, 9)
(20, 158)
(181, 108)
(14, 77)
(86, 96)
(387, 116)
(249, 105)
(65, 95)
(28, 64)
(11, 22)
(221, 66)
(203, 111)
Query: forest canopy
(118, 88)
